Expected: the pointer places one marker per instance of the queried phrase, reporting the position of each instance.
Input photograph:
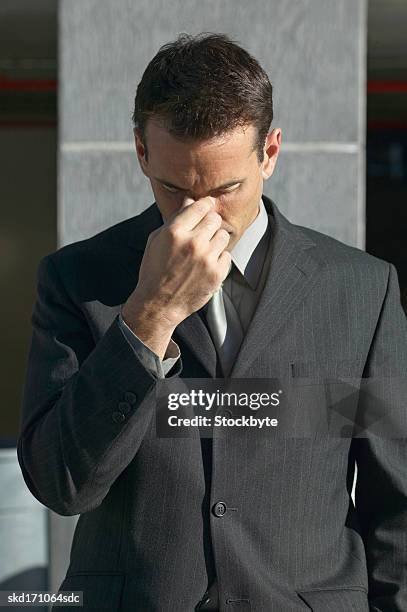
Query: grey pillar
(24, 531)
(314, 53)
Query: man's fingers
(225, 261)
(191, 213)
(208, 225)
(219, 241)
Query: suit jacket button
(219, 509)
(204, 601)
(124, 407)
(118, 417)
(130, 397)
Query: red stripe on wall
(387, 87)
(386, 124)
(7, 84)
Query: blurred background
(68, 75)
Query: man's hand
(184, 263)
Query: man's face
(224, 167)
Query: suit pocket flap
(337, 368)
(101, 591)
(336, 600)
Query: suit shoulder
(105, 243)
(88, 262)
(335, 252)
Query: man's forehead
(158, 134)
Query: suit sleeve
(150, 360)
(381, 486)
(85, 407)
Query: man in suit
(211, 281)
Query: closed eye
(229, 189)
(222, 191)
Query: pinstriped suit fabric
(291, 539)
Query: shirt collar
(249, 252)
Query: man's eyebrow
(224, 186)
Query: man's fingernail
(188, 202)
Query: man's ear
(140, 150)
(271, 151)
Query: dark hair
(203, 86)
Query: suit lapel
(294, 269)
(193, 332)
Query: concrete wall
(23, 532)
(314, 53)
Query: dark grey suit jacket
(147, 539)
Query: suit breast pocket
(346, 599)
(326, 395)
(333, 368)
(102, 591)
